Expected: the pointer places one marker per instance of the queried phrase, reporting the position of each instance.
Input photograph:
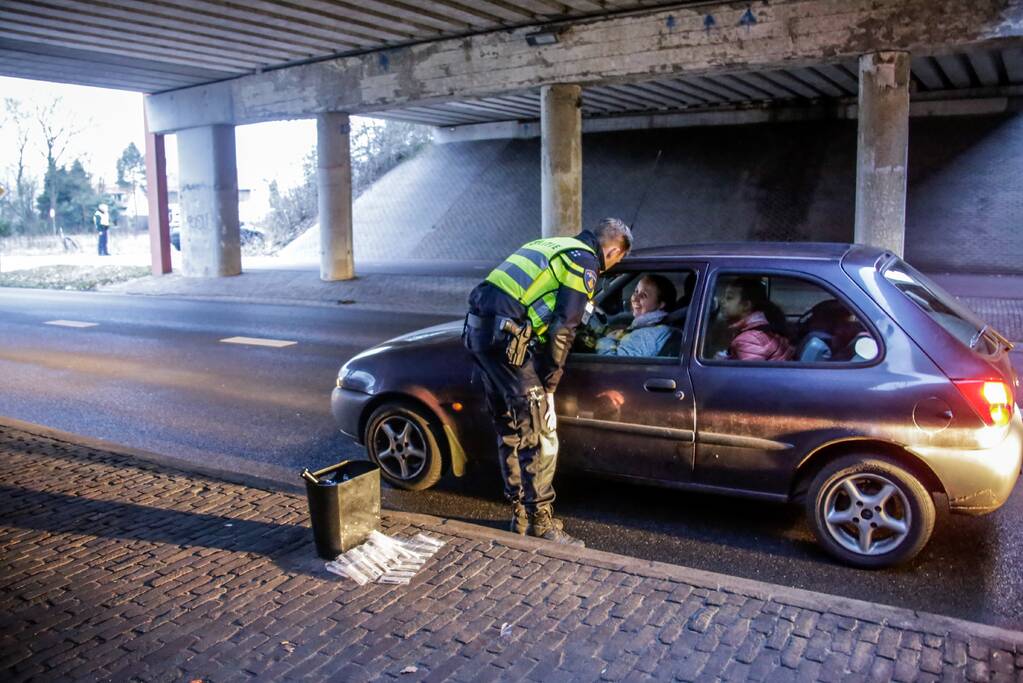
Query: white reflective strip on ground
(69, 323)
(255, 341)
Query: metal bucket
(344, 505)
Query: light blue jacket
(645, 337)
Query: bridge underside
(520, 68)
(968, 74)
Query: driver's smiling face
(645, 298)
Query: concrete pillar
(561, 160)
(334, 184)
(156, 197)
(208, 176)
(882, 150)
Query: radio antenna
(646, 190)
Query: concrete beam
(205, 105)
(629, 47)
(334, 190)
(208, 179)
(882, 151)
(997, 101)
(561, 160)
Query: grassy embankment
(80, 278)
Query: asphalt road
(153, 374)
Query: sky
(111, 119)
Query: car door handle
(659, 384)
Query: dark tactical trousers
(527, 452)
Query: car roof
(826, 251)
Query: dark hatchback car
(890, 392)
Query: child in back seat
(758, 324)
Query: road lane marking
(69, 323)
(256, 341)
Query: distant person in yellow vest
(101, 219)
(521, 324)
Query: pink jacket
(754, 341)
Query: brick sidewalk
(113, 568)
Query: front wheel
(402, 442)
(869, 512)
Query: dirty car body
(921, 402)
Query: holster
(518, 340)
(485, 332)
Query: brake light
(991, 400)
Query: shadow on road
(290, 546)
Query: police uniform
(547, 284)
(101, 219)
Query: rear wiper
(976, 338)
(992, 332)
(1000, 338)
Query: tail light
(992, 400)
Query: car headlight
(355, 379)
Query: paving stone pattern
(1005, 314)
(112, 568)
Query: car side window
(640, 315)
(762, 317)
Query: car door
(631, 416)
(757, 419)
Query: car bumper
(347, 406)
(979, 481)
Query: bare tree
(23, 193)
(378, 145)
(131, 171)
(58, 128)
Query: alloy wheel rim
(400, 447)
(867, 514)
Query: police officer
(101, 220)
(520, 327)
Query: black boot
(543, 525)
(520, 520)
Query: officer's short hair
(614, 231)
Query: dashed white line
(70, 323)
(256, 341)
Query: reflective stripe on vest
(534, 273)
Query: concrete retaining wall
(793, 181)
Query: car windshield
(940, 306)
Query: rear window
(941, 306)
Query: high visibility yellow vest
(533, 274)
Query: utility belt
(515, 336)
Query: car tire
(403, 442)
(869, 512)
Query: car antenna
(646, 190)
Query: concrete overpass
(546, 68)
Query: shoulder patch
(581, 256)
(590, 280)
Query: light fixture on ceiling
(541, 38)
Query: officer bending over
(520, 327)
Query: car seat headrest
(676, 317)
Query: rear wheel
(869, 512)
(402, 441)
